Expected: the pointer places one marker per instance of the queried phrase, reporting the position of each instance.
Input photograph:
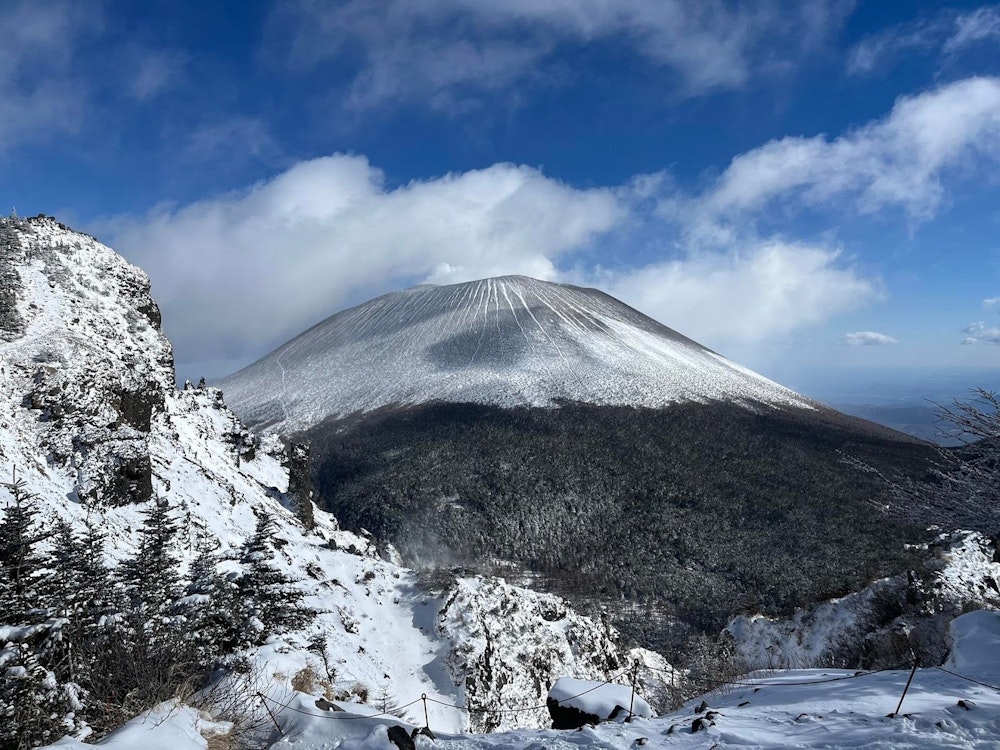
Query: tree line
(84, 647)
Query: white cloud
(948, 33)
(155, 72)
(242, 273)
(867, 338)
(766, 289)
(980, 333)
(981, 25)
(235, 139)
(38, 95)
(440, 52)
(991, 302)
(248, 270)
(897, 162)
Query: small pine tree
(21, 564)
(210, 610)
(150, 578)
(271, 603)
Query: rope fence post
(631, 700)
(916, 663)
(427, 721)
(263, 702)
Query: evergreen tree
(150, 578)
(33, 703)
(21, 564)
(210, 610)
(269, 600)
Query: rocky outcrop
(884, 623)
(86, 354)
(513, 644)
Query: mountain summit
(506, 341)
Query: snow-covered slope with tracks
(507, 341)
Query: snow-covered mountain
(92, 424)
(507, 341)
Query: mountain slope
(669, 477)
(508, 341)
(92, 424)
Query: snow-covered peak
(506, 341)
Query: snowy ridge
(507, 341)
(92, 423)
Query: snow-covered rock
(975, 644)
(512, 643)
(507, 341)
(574, 703)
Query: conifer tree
(21, 564)
(33, 704)
(271, 603)
(211, 610)
(151, 578)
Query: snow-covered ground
(508, 341)
(800, 708)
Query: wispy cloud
(981, 333)
(446, 52)
(991, 302)
(867, 338)
(901, 161)
(39, 95)
(155, 72)
(947, 33)
(235, 138)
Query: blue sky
(803, 186)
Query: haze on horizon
(806, 187)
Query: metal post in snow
(427, 722)
(631, 701)
(916, 663)
(263, 702)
